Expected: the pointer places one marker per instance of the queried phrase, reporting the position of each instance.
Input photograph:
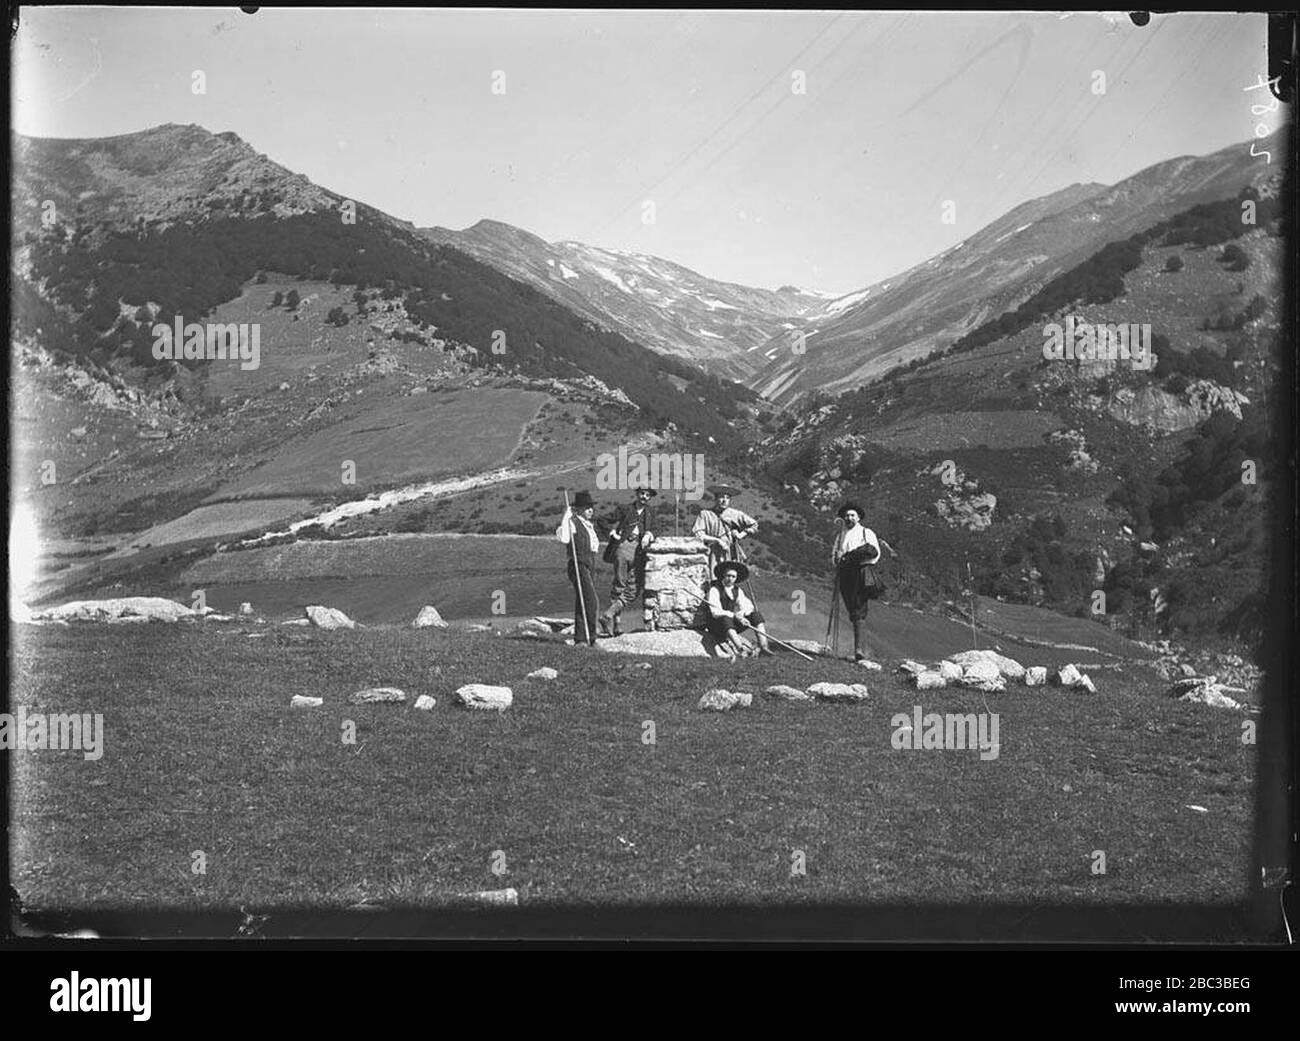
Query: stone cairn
(676, 577)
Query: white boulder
(1204, 690)
(1069, 676)
(1007, 667)
(785, 693)
(378, 696)
(302, 701)
(982, 675)
(719, 700)
(842, 692)
(485, 696)
(425, 702)
(1035, 675)
(118, 609)
(329, 618)
(949, 670)
(544, 673)
(428, 618)
(930, 680)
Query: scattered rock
(284, 386)
(78, 433)
(329, 618)
(982, 674)
(949, 670)
(478, 627)
(544, 673)
(913, 668)
(378, 696)
(719, 700)
(930, 680)
(785, 693)
(507, 897)
(118, 609)
(246, 608)
(428, 618)
(425, 702)
(871, 666)
(297, 621)
(485, 696)
(1035, 676)
(643, 665)
(531, 628)
(1204, 690)
(843, 692)
(1007, 667)
(683, 643)
(1070, 676)
(302, 701)
(1187, 670)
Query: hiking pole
(833, 622)
(577, 572)
(779, 643)
(970, 592)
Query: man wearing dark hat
(722, 526)
(731, 611)
(577, 531)
(855, 548)
(631, 529)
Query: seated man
(731, 611)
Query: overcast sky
(832, 189)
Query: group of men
(631, 530)
(722, 528)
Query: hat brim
(722, 489)
(855, 507)
(652, 492)
(743, 572)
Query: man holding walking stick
(577, 531)
(853, 556)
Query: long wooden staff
(577, 572)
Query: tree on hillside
(277, 298)
(292, 300)
(1174, 264)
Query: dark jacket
(625, 516)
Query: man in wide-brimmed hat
(731, 611)
(720, 526)
(631, 529)
(856, 549)
(578, 532)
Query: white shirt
(850, 539)
(715, 602)
(565, 531)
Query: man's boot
(605, 620)
(859, 639)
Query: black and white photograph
(649, 473)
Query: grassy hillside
(1085, 461)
